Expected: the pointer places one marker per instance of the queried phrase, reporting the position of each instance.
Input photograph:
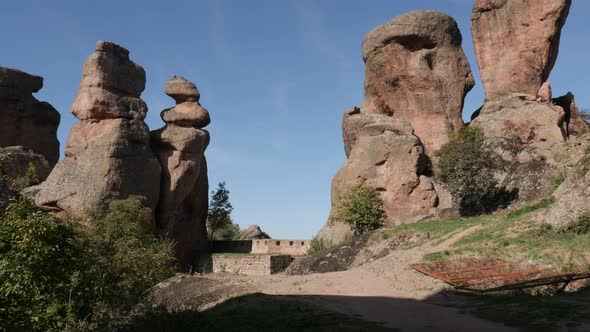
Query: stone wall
(262, 246)
(247, 264)
(242, 247)
(281, 247)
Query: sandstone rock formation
(416, 70)
(25, 121)
(573, 122)
(19, 168)
(572, 196)
(516, 117)
(388, 156)
(417, 76)
(108, 153)
(180, 146)
(253, 232)
(516, 43)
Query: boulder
(180, 147)
(20, 167)
(520, 118)
(388, 157)
(416, 70)
(516, 43)
(253, 232)
(572, 196)
(25, 121)
(574, 123)
(108, 153)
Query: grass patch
(542, 204)
(255, 312)
(518, 236)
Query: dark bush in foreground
(58, 275)
(466, 167)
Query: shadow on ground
(442, 312)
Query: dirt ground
(386, 290)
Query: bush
(466, 167)
(579, 227)
(58, 275)
(361, 208)
(126, 259)
(39, 258)
(317, 244)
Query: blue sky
(274, 75)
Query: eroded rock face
(19, 167)
(180, 146)
(416, 70)
(516, 43)
(416, 79)
(253, 232)
(108, 153)
(518, 118)
(25, 121)
(387, 156)
(572, 196)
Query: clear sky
(276, 77)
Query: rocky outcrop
(416, 70)
(416, 79)
(253, 232)
(572, 196)
(516, 43)
(25, 121)
(388, 156)
(19, 168)
(574, 124)
(108, 153)
(180, 147)
(518, 118)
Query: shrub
(579, 227)
(317, 244)
(59, 275)
(466, 167)
(39, 257)
(126, 259)
(361, 208)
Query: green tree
(219, 221)
(361, 208)
(61, 275)
(466, 166)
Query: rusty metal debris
(484, 275)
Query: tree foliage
(466, 167)
(219, 222)
(58, 275)
(361, 208)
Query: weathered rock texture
(416, 70)
(25, 121)
(180, 146)
(573, 122)
(528, 120)
(416, 80)
(19, 168)
(572, 197)
(516, 43)
(253, 232)
(108, 153)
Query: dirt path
(386, 290)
